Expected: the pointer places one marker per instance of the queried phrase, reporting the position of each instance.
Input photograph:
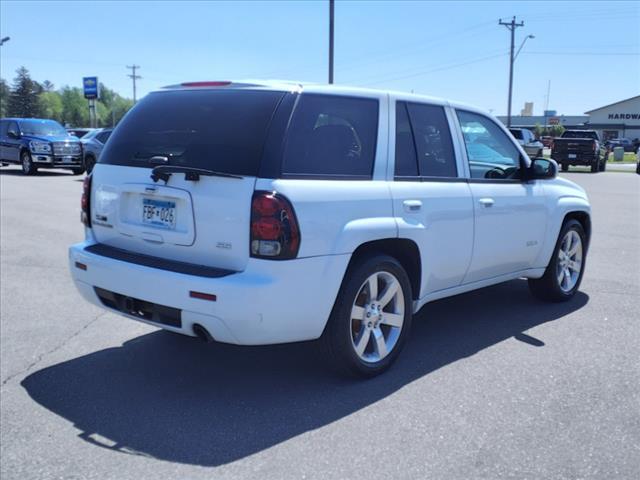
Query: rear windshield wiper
(192, 174)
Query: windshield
(579, 134)
(47, 128)
(222, 130)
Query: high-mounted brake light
(274, 228)
(85, 202)
(205, 84)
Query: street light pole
(4, 40)
(512, 25)
(331, 9)
(522, 45)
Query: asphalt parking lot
(492, 384)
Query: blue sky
(589, 50)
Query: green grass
(629, 157)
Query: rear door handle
(487, 202)
(412, 206)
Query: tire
(549, 287)
(565, 167)
(77, 171)
(595, 167)
(603, 165)
(350, 344)
(89, 163)
(28, 168)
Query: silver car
(92, 144)
(528, 140)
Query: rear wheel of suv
(371, 318)
(77, 171)
(89, 162)
(595, 166)
(563, 275)
(28, 168)
(565, 167)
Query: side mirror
(12, 134)
(542, 168)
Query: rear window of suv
(221, 130)
(331, 136)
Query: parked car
(81, 132)
(580, 147)
(547, 141)
(626, 143)
(528, 140)
(268, 213)
(638, 162)
(36, 142)
(92, 145)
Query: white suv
(267, 213)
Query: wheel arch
(404, 250)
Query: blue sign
(91, 87)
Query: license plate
(159, 213)
(572, 155)
(67, 159)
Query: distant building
(619, 119)
(527, 111)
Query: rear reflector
(81, 266)
(205, 84)
(203, 296)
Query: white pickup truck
(260, 213)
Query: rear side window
(331, 136)
(222, 130)
(428, 137)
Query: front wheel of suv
(563, 275)
(28, 167)
(371, 317)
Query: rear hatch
(196, 218)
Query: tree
(23, 100)
(557, 130)
(538, 130)
(47, 86)
(4, 97)
(75, 110)
(51, 105)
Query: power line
(134, 77)
(437, 69)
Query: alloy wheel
(377, 317)
(569, 262)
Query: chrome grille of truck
(63, 148)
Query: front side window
(332, 136)
(491, 153)
(13, 129)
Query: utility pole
(546, 107)
(331, 9)
(134, 77)
(512, 25)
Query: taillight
(551, 144)
(595, 146)
(274, 228)
(85, 202)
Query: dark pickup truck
(35, 142)
(579, 147)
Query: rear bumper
(580, 159)
(269, 302)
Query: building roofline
(612, 104)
